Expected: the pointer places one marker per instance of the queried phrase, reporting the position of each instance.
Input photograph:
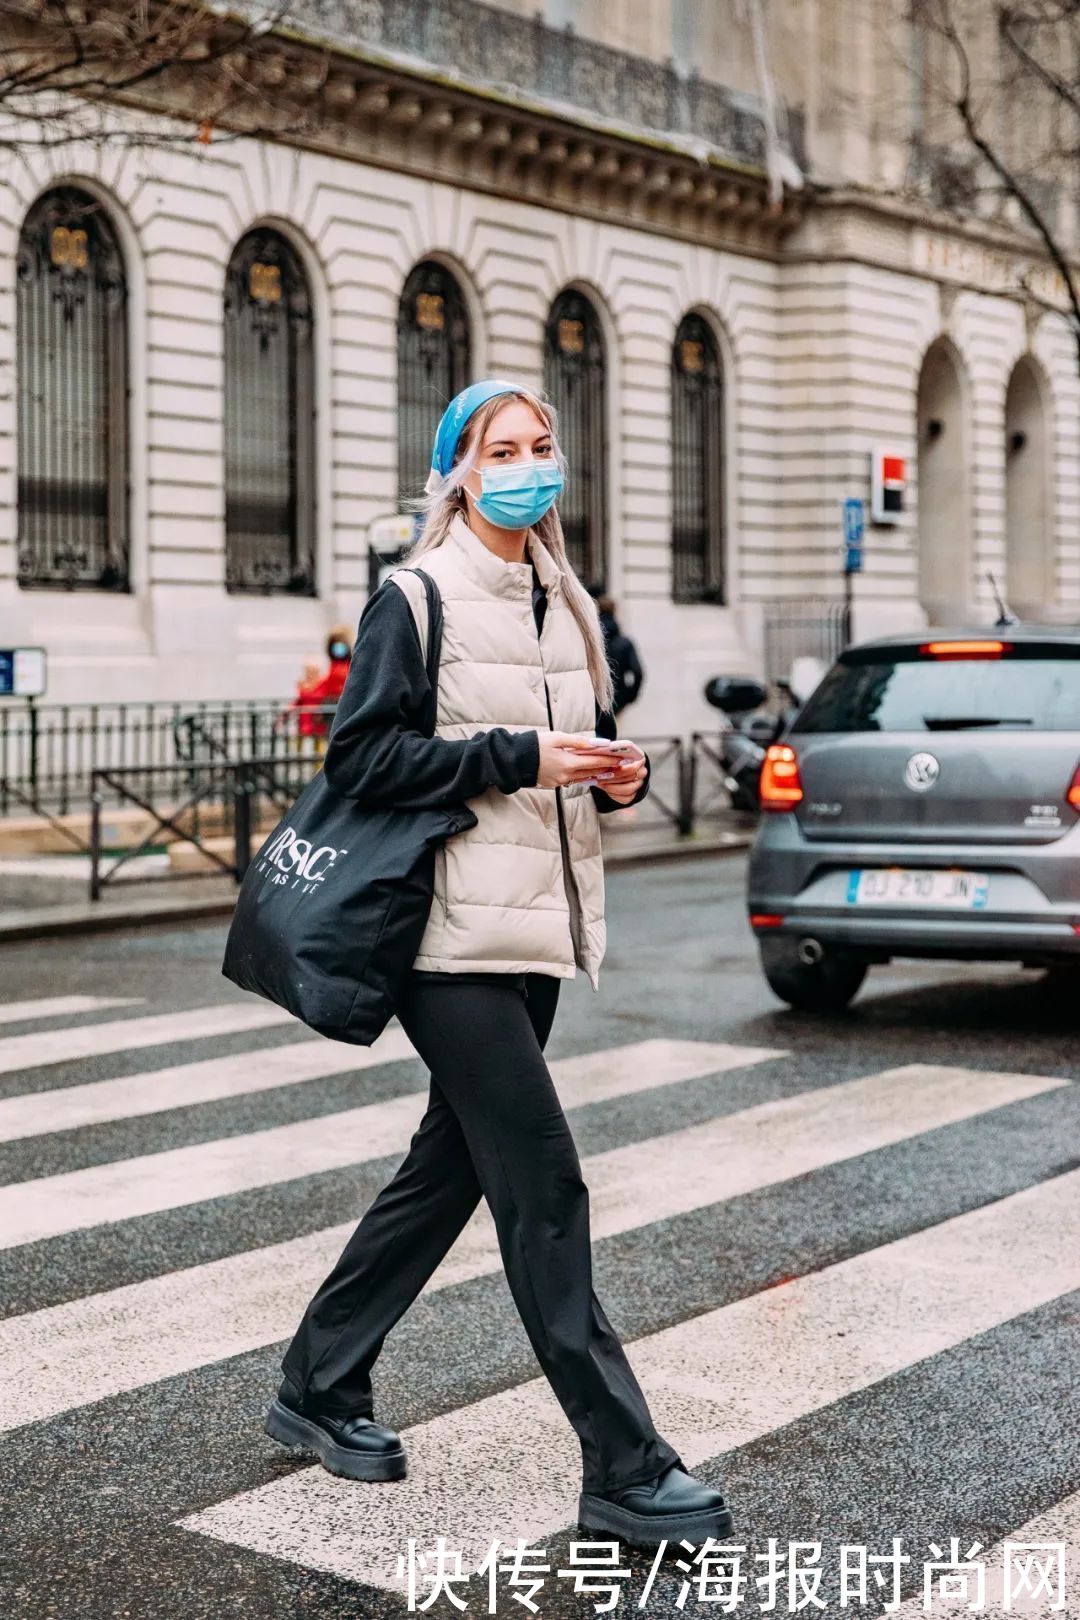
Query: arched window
(576, 383)
(697, 464)
(269, 419)
(72, 414)
(433, 366)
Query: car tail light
(1073, 791)
(780, 786)
(965, 649)
(766, 919)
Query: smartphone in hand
(605, 745)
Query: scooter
(743, 744)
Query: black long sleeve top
(377, 755)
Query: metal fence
(179, 766)
(51, 754)
(804, 627)
(222, 807)
(48, 752)
(216, 806)
(665, 805)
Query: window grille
(575, 379)
(697, 464)
(433, 366)
(269, 420)
(72, 397)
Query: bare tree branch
(1007, 27)
(77, 56)
(1011, 181)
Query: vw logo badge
(921, 772)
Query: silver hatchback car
(924, 802)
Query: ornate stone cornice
(362, 103)
(906, 234)
(430, 126)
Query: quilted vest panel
(508, 897)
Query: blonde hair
(445, 500)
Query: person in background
(339, 652)
(626, 672)
(330, 688)
(308, 695)
(320, 689)
(622, 655)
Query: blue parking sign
(854, 521)
(854, 525)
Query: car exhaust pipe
(810, 951)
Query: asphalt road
(844, 1258)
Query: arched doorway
(945, 584)
(1028, 530)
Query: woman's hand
(631, 770)
(565, 757)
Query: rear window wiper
(965, 722)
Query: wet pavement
(842, 1256)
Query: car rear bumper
(1032, 915)
(987, 940)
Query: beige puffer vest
(510, 894)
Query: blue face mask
(517, 496)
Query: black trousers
(494, 1127)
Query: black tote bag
(331, 910)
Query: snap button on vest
(510, 894)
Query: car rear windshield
(1026, 689)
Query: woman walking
(524, 691)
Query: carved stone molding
(451, 136)
(428, 122)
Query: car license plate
(908, 886)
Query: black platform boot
(675, 1507)
(353, 1447)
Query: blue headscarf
(456, 415)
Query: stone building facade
(562, 189)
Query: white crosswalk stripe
(1034, 1593)
(214, 1079)
(713, 1383)
(184, 1084)
(72, 1354)
(127, 1034)
(126, 1188)
(17, 1012)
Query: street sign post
(388, 538)
(854, 514)
(22, 672)
(22, 675)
